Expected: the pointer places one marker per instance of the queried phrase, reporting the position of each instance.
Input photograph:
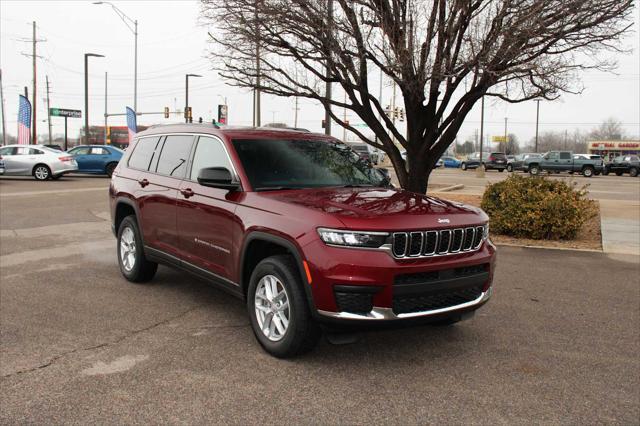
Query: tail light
(65, 158)
(490, 158)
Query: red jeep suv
(298, 226)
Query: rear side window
(209, 153)
(83, 150)
(143, 153)
(565, 156)
(98, 151)
(498, 155)
(174, 156)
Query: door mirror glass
(217, 177)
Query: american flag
(24, 121)
(131, 123)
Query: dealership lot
(80, 344)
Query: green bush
(537, 208)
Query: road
(558, 343)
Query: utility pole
(86, 94)
(295, 115)
(537, 121)
(48, 108)
(480, 169)
(327, 107)
(393, 109)
(188, 118)
(256, 100)
(505, 135)
(4, 128)
(34, 138)
(106, 113)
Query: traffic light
(166, 112)
(189, 116)
(200, 120)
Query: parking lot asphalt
(558, 343)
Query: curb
(550, 248)
(451, 188)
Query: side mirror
(217, 177)
(385, 177)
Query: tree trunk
(418, 175)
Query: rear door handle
(143, 182)
(187, 192)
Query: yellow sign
(498, 139)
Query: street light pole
(537, 121)
(187, 119)
(86, 93)
(505, 135)
(128, 22)
(480, 169)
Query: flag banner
(24, 121)
(131, 123)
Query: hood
(382, 208)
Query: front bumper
(386, 314)
(372, 286)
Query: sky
(172, 43)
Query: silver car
(36, 160)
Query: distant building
(610, 149)
(116, 135)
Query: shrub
(537, 208)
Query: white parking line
(60, 191)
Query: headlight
(340, 237)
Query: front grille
(420, 303)
(429, 243)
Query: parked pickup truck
(564, 161)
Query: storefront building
(611, 149)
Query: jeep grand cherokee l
(299, 227)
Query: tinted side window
(33, 151)
(143, 153)
(209, 153)
(83, 150)
(98, 151)
(8, 151)
(565, 156)
(174, 156)
(553, 155)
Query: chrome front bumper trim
(388, 314)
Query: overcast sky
(171, 44)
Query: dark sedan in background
(96, 159)
(491, 161)
(623, 164)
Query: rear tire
(509, 168)
(587, 172)
(41, 172)
(130, 250)
(463, 166)
(618, 173)
(282, 332)
(633, 172)
(534, 170)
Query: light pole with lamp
(86, 93)
(129, 22)
(186, 97)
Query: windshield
(292, 164)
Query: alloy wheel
(41, 173)
(272, 307)
(128, 249)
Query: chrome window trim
(381, 314)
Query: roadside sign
(60, 112)
(498, 139)
(359, 125)
(222, 114)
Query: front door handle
(187, 192)
(143, 182)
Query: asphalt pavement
(558, 342)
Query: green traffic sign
(60, 112)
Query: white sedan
(36, 160)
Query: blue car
(96, 159)
(451, 162)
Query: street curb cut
(451, 188)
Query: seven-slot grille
(433, 243)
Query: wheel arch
(259, 245)
(125, 207)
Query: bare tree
(609, 129)
(443, 55)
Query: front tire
(133, 264)
(509, 168)
(110, 168)
(278, 310)
(463, 166)
(41, 172)
(534, 170)
(633, 172)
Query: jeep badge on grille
(441, 220)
